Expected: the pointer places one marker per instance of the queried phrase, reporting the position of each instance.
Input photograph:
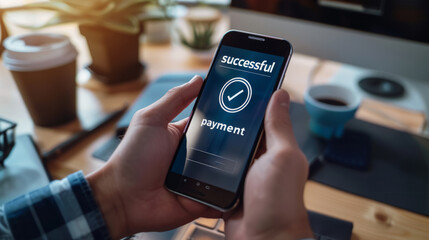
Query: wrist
(109, 202)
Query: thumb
(173, 102)
(180, 125)
(278, 126)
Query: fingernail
(283, 98)
(194, 79)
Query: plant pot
(115, 55)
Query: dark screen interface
(228, 116)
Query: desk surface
(372, 220)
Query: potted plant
(111, 28)
(202, 22)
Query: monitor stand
(413, 96)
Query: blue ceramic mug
(330, 107)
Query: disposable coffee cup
(44, 68)
(330, 107)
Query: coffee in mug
(43, 66)
(331, 101)
(330, 107)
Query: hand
(273, 206)
(130, 187)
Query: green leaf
(103, 11)
(55, 20)
(132, 10)
(86, 4)
(120, 15)
(133, 3)
(59, 19)
(125, 24)
(202, 36)
(53, 6)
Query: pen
(64, 146)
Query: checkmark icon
(235, 95)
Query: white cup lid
(37, 51)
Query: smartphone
(226, 124)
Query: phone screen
(226, 124)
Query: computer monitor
(389, 36)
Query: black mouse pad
(398, 168)
(325, 227)
(351, 150)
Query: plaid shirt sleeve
(65, 209)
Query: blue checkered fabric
(65, 209)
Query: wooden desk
(372, 220)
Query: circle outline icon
(246, 102)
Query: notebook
(23, 171)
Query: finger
(179, 127)
(181, 124)
(196, 209)
(211, 213)
(262, 148)
(175, 100)
(237, 212)
(278, 126)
